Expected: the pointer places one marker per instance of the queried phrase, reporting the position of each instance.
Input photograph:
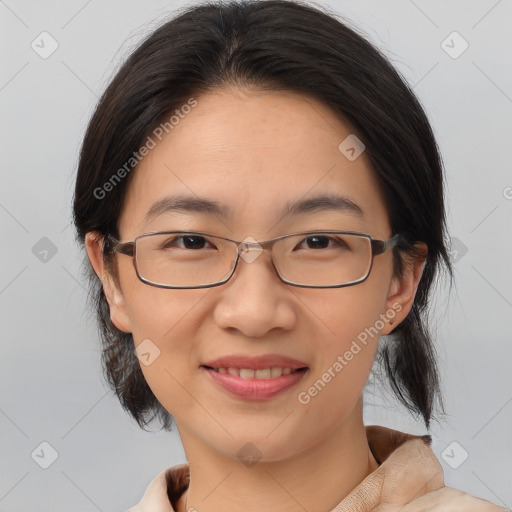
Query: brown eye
(186, 242)
(323, 241)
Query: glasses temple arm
(381, 246)
(111, 244)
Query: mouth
(254, 377)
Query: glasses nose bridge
(250, 249)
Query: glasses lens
(191, 259)
(184, 259)
(323, 259)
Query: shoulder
(447, 499)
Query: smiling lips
(255, 378)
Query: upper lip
(255, 363)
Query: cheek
(345, 346)
(158, 313)
(348, 315)
(165, 339)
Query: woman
(261, 199)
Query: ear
(115, 298)
(403, 290)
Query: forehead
(254, 152)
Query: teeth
(248, 373)
(265, 373)
(276, 372)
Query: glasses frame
(113, 245)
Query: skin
(253, 151)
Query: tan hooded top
(408, 469)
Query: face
(253, 152)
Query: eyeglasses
(314, 259)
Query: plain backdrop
(50, 376)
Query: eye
(322, 242)
(186, 242)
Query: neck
(317, 479)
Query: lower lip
(255, 389)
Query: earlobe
(403, 290)
(115, 298)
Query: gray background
(50, 380)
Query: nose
(255, 300)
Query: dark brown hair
(285, 45)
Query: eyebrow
(206, 206)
